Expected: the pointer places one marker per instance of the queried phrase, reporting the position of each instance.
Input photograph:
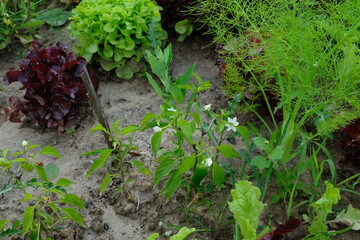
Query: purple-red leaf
(279, 232)
(54, 90)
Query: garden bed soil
(140, 211)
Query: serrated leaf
(99, 162)
(27, 220)
(156, 142)
(73, 200)
(183, 233)
(52, 171)
(141, 168)
(49, 150)
(261, 143)
(277, 153)
(349, 217)
(218, 174)
(72, 214)
(260, 162)
(164, 169)
(246, 208)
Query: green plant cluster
(117, 31)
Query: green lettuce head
(116, 32)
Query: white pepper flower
(207, 107)
(24, 143)
(157, 129)
(208, 162)
(171, 109)
(231, 124)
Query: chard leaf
(246, 208)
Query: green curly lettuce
(116, 32)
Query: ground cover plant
(45, 197)
(53, 87)
(116, 32)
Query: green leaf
(172, 185)
(52, 171)
(27, 197)
(99, 163)
(182, 26)
(99, 127)
(260, 162)
(349, 217)
(218, 174)
(147, 118)
(228, 151)
(49, 150)
(3, 223)
(141, 168)
(73, 200)
(24, 39)
(41, 172)
(154, 85)
(183, 233)
(261, 143)
(72, 214)
(64, 182)
(164, 169)
(277, 153)
(245, 134)
(129, 129)
(30, 24)
(153, 236)
(187, 130)
(156, 142)
(186, 164)
(55, 17)
(27, 220)
(105, 183)
(246, 208)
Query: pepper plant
(45, 196)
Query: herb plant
(45, 196)
(116, 32)
(54, 90)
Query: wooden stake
(95, 103)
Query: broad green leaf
(349, 217)
(228, 151)
(218, 174)
(55, 17)
(48, 150)
(64, 182)
(3, 223)
(172, 185)
(184, 79)
(182, 234)
(141, 168)
(105, 183)
(147, 118)
(41, 172)
(261, 143)
(187, 130)
(182, 26)
(153, 236)
(52, 171)
(73, 200)
(24, 39)
(164, 169)
(245, 134)
(72, 214)
(99, 163)
(260, 162)
(246, 208)
(156, 142)
(99, 127)
(277, 153)
(186, 164)
(176, 93)
(10, 232)
(129, 129)
(155, 85)
(27, 197)
(27, 220)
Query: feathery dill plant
(310, 56)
